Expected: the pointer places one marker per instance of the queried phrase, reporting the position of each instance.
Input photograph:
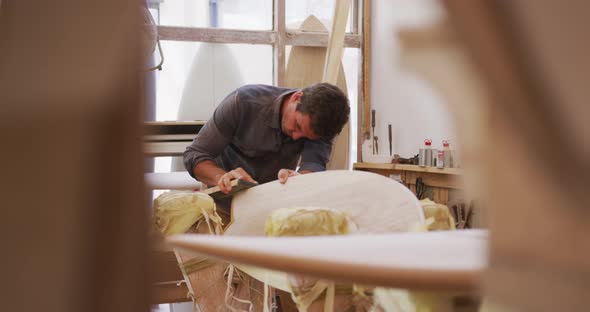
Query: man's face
(297, 125)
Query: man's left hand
(284, 174)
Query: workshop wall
(401, 97)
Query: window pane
(196, 76)
(232, 14)
(297, 11)
(350, 64)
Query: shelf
(398, 167)
(161, 149)
(172, 127)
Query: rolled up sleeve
(315, 155)
(215, 135)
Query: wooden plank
(373, 166)
(361, 136)
(279, 44)
(360, 104)
(398, 167)
(175, 123)
(332, 72)
(355, 17)
(335, 44)
(169, 137)
(435, 261)
(366, 70)
(319, 39)
(216, 35)
(160, 149)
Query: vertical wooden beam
(336, 41)
(279, 44)
(360, 132)
(355, 16)
(74, 218)
(366, 51)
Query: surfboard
(432, 261)
(375, 204)
(305, 67)
(214, 73)
(377, 255)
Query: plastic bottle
(447, 154)
(425, 154)
(440, 159)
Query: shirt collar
(275, 118)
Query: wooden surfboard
(374, 203)
(433, 261)
(213, 74)
(436, 261)
(305, 67)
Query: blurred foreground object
(533, 60)
(175, 212)
(75, 221)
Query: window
(231, 14)
(212, 47)
(198, 75)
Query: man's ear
(297, 95)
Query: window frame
(280, 37)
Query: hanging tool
(420, 188)
(390, 147)
(375, 146)
(462, 215)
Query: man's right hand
(224, 182)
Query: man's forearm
(208, 172)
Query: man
(259, 132)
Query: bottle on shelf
(447, 154)
(440, 159)
(425, 154)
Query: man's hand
(224, 181)
(284, 174)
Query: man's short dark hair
(327, 107)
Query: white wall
(401, 97)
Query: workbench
(440, 180)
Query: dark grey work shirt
(245, 131)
